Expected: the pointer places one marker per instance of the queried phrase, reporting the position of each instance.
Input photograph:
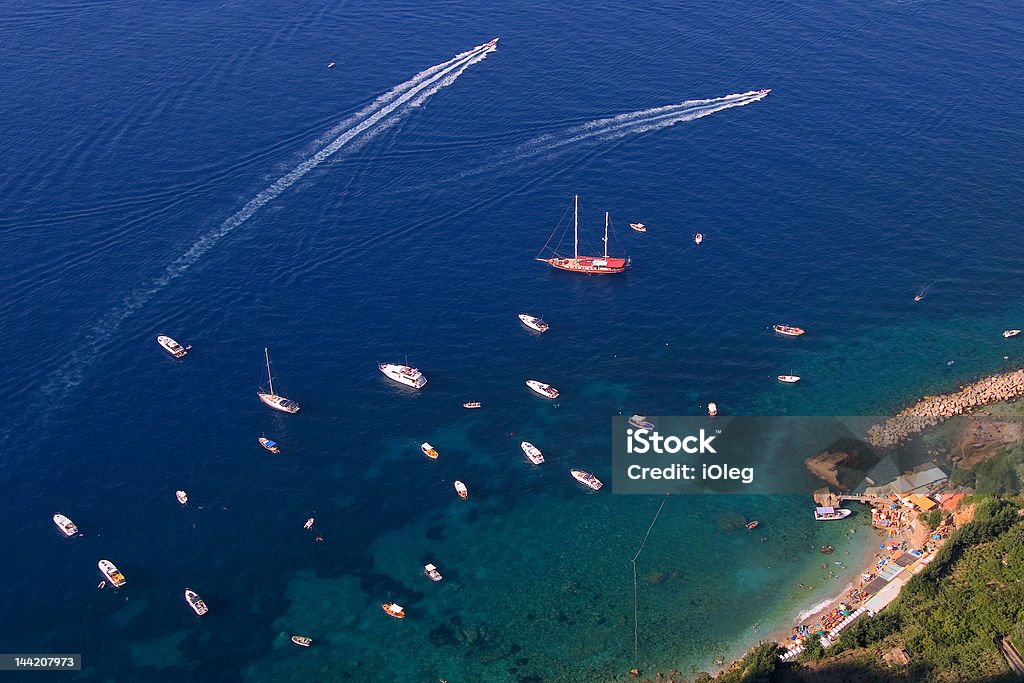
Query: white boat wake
(356, 129)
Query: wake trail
(359, 127)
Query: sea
(197, 170)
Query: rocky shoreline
(931, 410)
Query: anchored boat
(698, 238)
(1010, 333)
(461, 489)
(591, 265)
(788, 330)
(640, 422)
(66, 526)
(430, 571)
(393, 609)
(532, 452)
(428, 450)
(534, 323)
(639, 227)
(789, 379)
(471, 404)
(712, 409)
(403, 374)
(826, 514)
(112, 573)
(172, 347)
(302, 641)
(195, 602)
(181, 496)
(272, 399)
(269, 445)
(586, 478)
(541, 389)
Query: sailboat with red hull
(591, 265)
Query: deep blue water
(886, 159)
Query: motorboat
(532, 452)
(112, 573)
(1010, 333)
(471, 404)
(309, 524)
(172, 347)
(827, 514)
(534, 323)
(195, 602)
(492, 43)
(272, 399)
(430, 571)
(393, 609)
(302, 641)
(789, 379)
(269, 445)
(641, 422)
(764, 91)
(181, 496)
(461, 489)
(753, 524)
(918, 297)
(66, 526)
(639, 227)
(330, 65)
(712, 409)
(698, 238)
(788, 330)
(541, 389)
(586, 478)
(403, 374)
(428, 450)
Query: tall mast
(576, 227)
(270, 378)
(606, 234)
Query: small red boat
(788, 330)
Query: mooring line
(636, 624)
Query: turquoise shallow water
(885, 160)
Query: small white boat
(639, 227)
(586, 478)
(112, 573)
(195, 602)
(430, 571)
(545, 390)
(712, 409)
(534, 323)
(764, 92)
(308, 524)
(471, 405)
(302, 641)
(270, 398)
(428, 450)
(1010, 333)
(181, 496)
(393, 609)
(789, 379)
(461, 489)
(788, 330)
(828, 514)
(532, 452)
(330, 65)
(918, 297)
(269, 445)
(403, 374)
(640, 422)
(172, 347)
(66, 526)
(698, 238)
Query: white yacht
(66, 526)
(182, 497)
(172, 347)
(545, 390)
(532, 452)
(586, 478)
(789, 379)
(403, 374)
(270, 398)
(829, 514)
(112, 573)
(534, 323)
(195, 602)
(641, 422)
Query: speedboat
(181, 496)
(403, 374)
(789, 379)
(330, 65)
(828, 514)
(393, 609)
(698, 238)
(532, 452)
(752, 525)
(269, 445)
(492, 43)
(535, 324)
(545, 390)
(918, 297)
(172, 347)
(112, 573)
(586, 478)
(471, 404)
(764, 92)
(65, 525)
(639, 227)
(308, 524)
(430, 571)
(270, 398)
(461, 489)
(712, 409)
(195, 602)
(302, 641)
(1010, 333)
(640, 422)
(428, 450)
(788, 330)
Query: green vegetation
(933, 518)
